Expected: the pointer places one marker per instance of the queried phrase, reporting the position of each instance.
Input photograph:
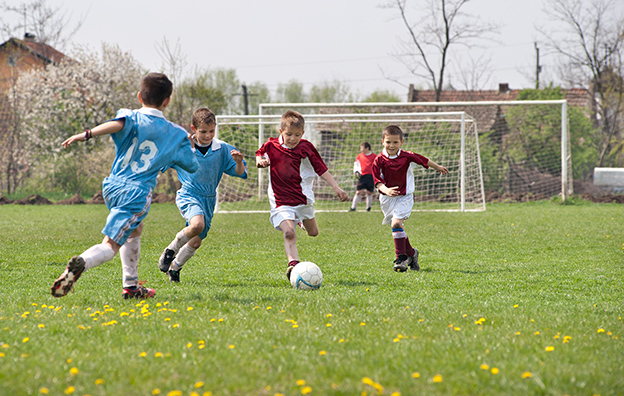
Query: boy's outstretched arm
(437, 167)
(103, 129)
(339, 191)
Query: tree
(55, 103)
(330, 92)
(291, 92)
(590, 43)
(442, 25)
(381, 96)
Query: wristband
(88, 134)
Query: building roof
(40, 50)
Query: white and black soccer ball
(306, 276)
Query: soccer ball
(306, 276)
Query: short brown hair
(203, 115)
(291, 119)
(155, 89)
(392, 130)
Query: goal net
(448, 138)
(524, 144)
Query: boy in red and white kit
(394, 178)
(363, 169)
(294, 165)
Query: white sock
(356, 200)
(369, 201)
(180, 240)
(183, 256)
(97, 254)
(129, 254)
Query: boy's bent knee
(313, 233)
(290, 235)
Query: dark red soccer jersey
(292, 171)
(397, 171)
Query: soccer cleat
(368, 209)
(166, 258)
(351, 209)
(174, 276)
(400, 264)
(65, 282)
(413, 265)
(289, 269)
(139, 291)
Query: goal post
(448, 138)
(524, 144)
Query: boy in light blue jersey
(198, 195)
(145, 144)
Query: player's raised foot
(65, 282)
(368, 209)
(401, 263)
(139, 291)
(166, 258)
(413, 265)
(351, 209)
(174, 276)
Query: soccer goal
(448, 138)
(524, 144)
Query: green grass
(496, 290)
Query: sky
(312, 41)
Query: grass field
(523, 299)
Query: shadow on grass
(354, 283)
(494, 271)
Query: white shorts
(295, 213)
(399, 207)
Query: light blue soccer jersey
(212, 166)
(149, 144)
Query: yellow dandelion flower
(396, 340)
(550, 348)
(395, 394)
(526, 374)
(142, 354)
(437, 378)
(268, 308)
(189, 345)
(328, 325)
(341, 340)
(295, 326)
(278, 394)
(41, 326)
(176, 326)
(198, 384)
(484, 367)
(231, 346)
(189, 309)
(456, 328)
(220, 320)
(566, 339)
(69, 390)
(329, 315)
(44, 391)
(2, 354)
(158, 354)
(362, 324)
(156, 391)
(194, 393)
(494, 370)
(518, 333)
(306, 390)
(73, 371)
(600, 330)
(416, 375)
(25, 339)
(99, 381)
(300, 382)
(175, 393)
(536, 333)
(322, 353)
(167, 319)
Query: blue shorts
(191, 205)
(128, 204)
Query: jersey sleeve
(377, 171)
(127, 116)
(315, 159)
(262, 151)
(357, 166)
(185, 158)
(420, 160)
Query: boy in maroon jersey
(394, 178)
(294, 165)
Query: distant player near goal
(394, 178)
(294, 165)
(363, 169)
